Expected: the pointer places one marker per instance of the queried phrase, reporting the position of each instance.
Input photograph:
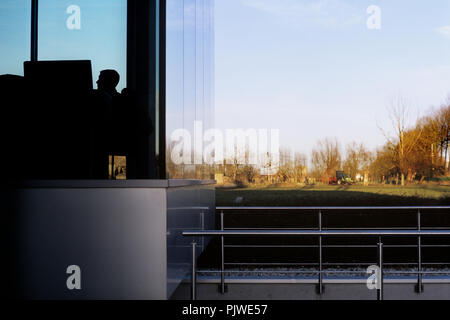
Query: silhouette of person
(103, 134)
(124, 138)
(108, 81)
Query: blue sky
(310, 68)
(101, 37)
(14, 35)
(313, 69)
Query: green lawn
(355, 195)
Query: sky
(313, 69)
(310, 68)
(100, 36)
(14, 35)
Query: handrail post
(419, 287)
(194, 272)
(320, 285)
(380, 265)
(222, 257)
(202, 224)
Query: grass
(355, 195)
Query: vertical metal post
(419, 288)
(380, 265)
(222, 258)
(202, 224)
(34, 31)
(320, 288)
(194, 272)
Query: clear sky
(101, 36)
(310, 68)
(14, 35)
(313, 69)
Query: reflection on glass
(15, 27)
(117, 167)
(85, 30)
(95, 31)
(190, 81)
(69, 129)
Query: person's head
(108, 80)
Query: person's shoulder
(126, 93)
(128, 96)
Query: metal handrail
(324, 232)
(383, 233)
(337, 208)
(378, 233)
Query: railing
(321, 232)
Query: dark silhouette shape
(103, 126)
(60, 128)
(13, 105)
(137, 127)
(121, 127)
(58, 116)
(67, 76)
(108, 81)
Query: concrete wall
(121, 236)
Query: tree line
(412, 152)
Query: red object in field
(333, 180)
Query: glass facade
(75, 132)
(85, 29)
(15, 27)
(189, 86)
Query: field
(324, 195)
(355, 195)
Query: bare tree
(357, 159)
(286, 169)
(326, 157)
(300, 167)
(384, 166)
(405, 144)
(443, 125)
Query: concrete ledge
(243, 289)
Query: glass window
(15, 27)
(85, 30)
(67, 129)
(189, 86)
(93, 127)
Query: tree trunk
(366, 178)
(447, 167)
